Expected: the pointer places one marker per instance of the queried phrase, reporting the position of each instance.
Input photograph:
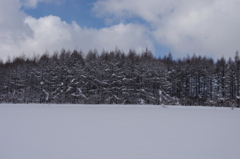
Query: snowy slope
(118, 132)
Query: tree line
(118, 78)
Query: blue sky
(79, 11)
(207, 27)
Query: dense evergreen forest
(119, 78)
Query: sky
(184, 27)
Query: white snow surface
(40, 131)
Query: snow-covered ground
(118, 132)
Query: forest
(116, 77)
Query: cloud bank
(207, 27)
(20, 33)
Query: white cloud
(125, 37)
(13, 30)
(20, 33)
(207, 27)
(50, 33)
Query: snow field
(118, 132)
